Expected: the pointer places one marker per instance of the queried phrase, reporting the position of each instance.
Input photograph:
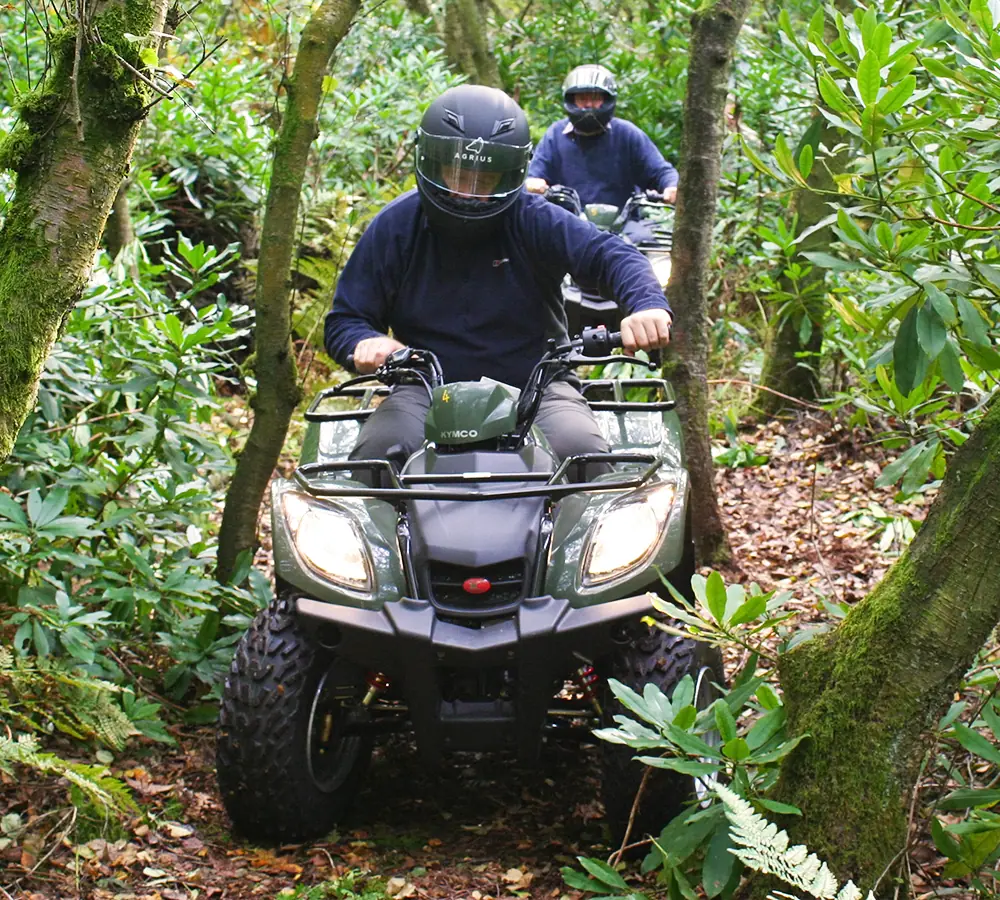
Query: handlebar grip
(599, 341)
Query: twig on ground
(617, 855)
(760, 387)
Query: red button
(476, 585)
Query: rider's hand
(370, 353)
(646, 330)
(536, 185)
(670, 194)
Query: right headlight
(626, 535)
(328, 542)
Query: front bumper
(541, 644)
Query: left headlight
(626, 534)
(328, 541)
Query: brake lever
(575, 361)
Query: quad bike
(478, 593)
(645, 222)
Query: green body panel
(376, 520)
(466, 412)
(602, 215)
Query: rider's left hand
(670, 194)
(646, 330)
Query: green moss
(38, 107)
(17, 148)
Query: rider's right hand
(536, 185)
(370, 353)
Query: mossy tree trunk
(869, 692)
(278, 390)
(792, 353)
(715, 27)
(792, 349)
(70, 149)
(467, 43)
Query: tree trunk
(466, 42)
(71, 150)
(791, 365)
(278, 391)
(715, 28)
(868, 693)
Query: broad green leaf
(684, 833)
(881, 39)
(897, 468)
(973, 325)
(715, 597)
(894, 98)
(41, 639)
(931, 331)
(826, 261)
(951, 367)
(767, 697)
(941, 303)
(580, 882)
(603, 872)
(149, 57)
(11, 510)
(171, 327)
(690, 767)
(55, 503)
(783, 157)
(869, 24)
(766, 727)
(749, 611)
(917, 473)
(736, 749)
(992, 719)
(869, 78)
(759, 759)
(686, 717)
(719, 863)
(785, 809)
(834, 97)
(901, 68)
(968, 798)
(724, 720)
(946, 844)
(976, 744)
(806, 160)
(756, 161)
(906, 354)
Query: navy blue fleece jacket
(603, 168)
(485, 307)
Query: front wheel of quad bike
(286, 767)
(656, 657)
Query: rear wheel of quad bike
(286, 768)
(655, 657)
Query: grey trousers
(563, 416)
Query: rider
(469, 266)
(603, 159)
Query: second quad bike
(478, 593)
(645, 222)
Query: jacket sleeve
(365, 291)
(652, 169)
(565, 243)
(542, 163)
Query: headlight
(626, 534)
(328, 542)
(661, 269)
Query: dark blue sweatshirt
(603, 168)
(484, 307)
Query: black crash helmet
(585, 80)
(472, 154)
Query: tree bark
(467, 44)
(868, 693)
(71, 149)
(715, 28)
(278, 390)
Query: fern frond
(94, 781)
(764, 848)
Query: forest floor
(810, 520)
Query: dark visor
(473, 168)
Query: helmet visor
(472, 167)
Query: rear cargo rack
(310, 478)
